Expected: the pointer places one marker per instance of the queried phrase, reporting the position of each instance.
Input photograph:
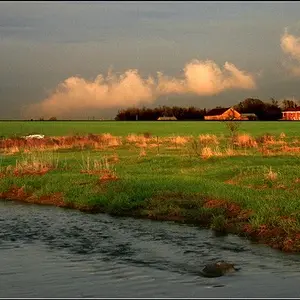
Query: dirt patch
(53, 199)
(19, 194)
(232, 210)
(42, 172)
(105, 175)
(231, 181)
(15, 193)
(24, 172)
(108, 177)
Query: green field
(169, 178)
(156, 128)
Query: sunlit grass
(164, 176)
(120, 128)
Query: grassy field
(59, 128)
(194, 172)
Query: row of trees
(263, 110)
(150, 114)
(271, 110)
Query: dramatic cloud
(78, 94)
(290, 45)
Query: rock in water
(218, 269)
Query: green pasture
(156, 128)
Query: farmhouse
(167, 118)
(291, 114)
(223, 114)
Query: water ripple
(64, 253)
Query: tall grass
(33, 163)
(100, 166)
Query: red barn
(291, 113)
(223, 114)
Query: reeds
(34, 163)
(14, 145)
(266, 144)
(100, 166)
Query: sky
(78, 60)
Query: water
(52, 252)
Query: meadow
(232, 177)
(123, 128)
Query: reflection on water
(52, 252)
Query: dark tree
(148, 114)
(263, 110)
(286, 104)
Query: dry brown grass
(98, 167)
(33, 163)
(180, 140)
(110, 140)
(270, 175)
(282, 135)
(218, 152)
(113, 158)
(108, 176)
(141, 145)
(289, 149)
(266, 139)
(266, 144)
(133, 138)
(206, 152)
(230, 152)
(143, 152)
(245, 141)
(153, 145)
(11, 150)
(208, 139)
(11, 146)
(140, 141)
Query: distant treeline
(150, 114)
(266, 111)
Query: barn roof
(292, 109)
(217, 111)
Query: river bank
(247, 185)
(221, 216)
